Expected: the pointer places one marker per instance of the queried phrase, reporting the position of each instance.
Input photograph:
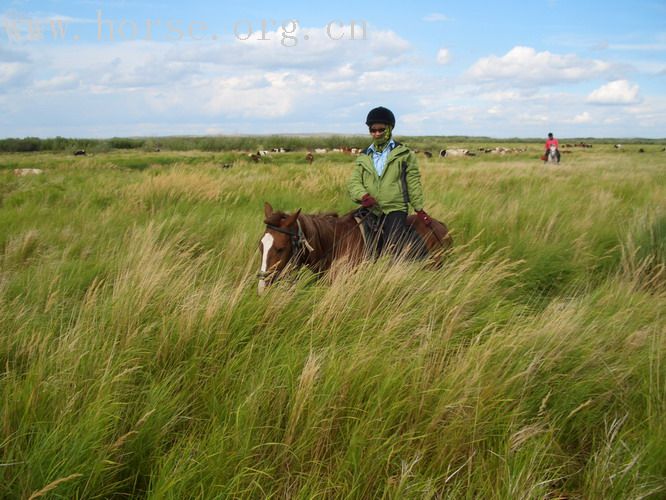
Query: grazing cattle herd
(265, 154)
(443, 153)
(453, 152)
(311, 155)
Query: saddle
(370, 225)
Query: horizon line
(328, 134)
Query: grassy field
(138, 361)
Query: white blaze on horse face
(267, 244)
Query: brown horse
(316, 241)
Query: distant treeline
(255, 143)
(219, 143)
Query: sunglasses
(377, 130)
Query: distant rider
(552, 142)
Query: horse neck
(319, 231)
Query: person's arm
(355, 185)
(416, 197)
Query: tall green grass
(137, 359)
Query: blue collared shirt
(380, 159)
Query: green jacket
(387, 189)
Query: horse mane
(277, 216)
(318, 224)
(322, 220)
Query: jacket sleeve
(414, 183)
(355, 185)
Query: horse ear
(292, 218)
(268, 209)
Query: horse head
(278, 244)
(552, 154)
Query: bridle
(298, 242)
(297, 238)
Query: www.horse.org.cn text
(288, 32)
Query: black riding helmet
(380, 115)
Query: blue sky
(505, 69)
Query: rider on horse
(386, 181)
(550, 143)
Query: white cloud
(8, 55)
(388, 43)
(271, 97)
(13, 74)
(615, 92)
(583, 117)
(436, 17)
(142, 87)
(319, 50)
(226, 80)
(60, 82)
(444, 56)
(649, 113)
(508, 95)
(525, 66)
(149, 65)
(386, 81)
